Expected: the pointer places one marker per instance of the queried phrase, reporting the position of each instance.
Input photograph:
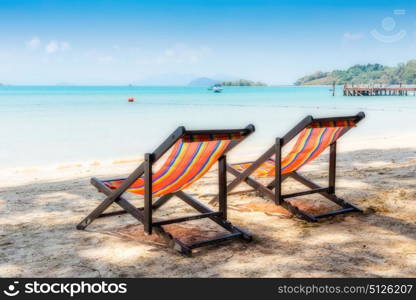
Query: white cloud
(34, 43)
(52, 47)
(55, 46)
(353, 36)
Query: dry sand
(39, 209)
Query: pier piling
(380, 90)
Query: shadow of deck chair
(314, 136)
(192, 154)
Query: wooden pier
(379, 90)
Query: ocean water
(59, 124)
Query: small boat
(216, 88)
(130, 99)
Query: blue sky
(171, 42)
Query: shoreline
(107, 167)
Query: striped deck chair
(313, 137)
(192, 154)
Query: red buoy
(131, 99)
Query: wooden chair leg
(222, 186)
(278, 172)
(148, 194)
(100, 208)
(123, 203)
(332, 167)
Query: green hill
(370, 73)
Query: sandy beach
(39, 208)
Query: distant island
(243, 82)
(371, 73)
(204, 81)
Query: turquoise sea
(58, 124)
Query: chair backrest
(190, 158)
(313, 137)
(312, 141)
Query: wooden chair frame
(144, 214)
(276, 183)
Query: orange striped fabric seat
(189, 160)
(311, 142)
